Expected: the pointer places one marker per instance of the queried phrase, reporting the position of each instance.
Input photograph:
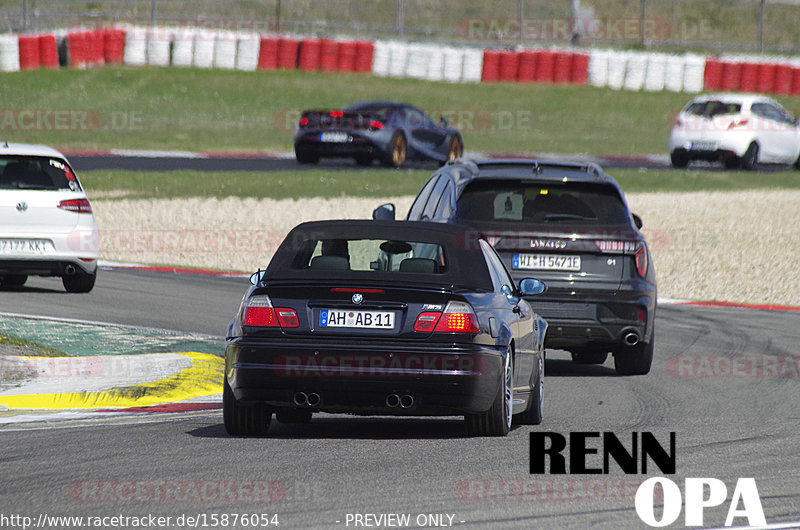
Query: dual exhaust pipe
(301, 399)
(406, 401)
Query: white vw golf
(739, 130)
(46, 222)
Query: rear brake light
(678, 123)
(76, 205)
(375, 124)
(458, 317)
(260, 313)
(354, 290)
(426, 321)
(641, 261)
(304, 122)
(336, 114)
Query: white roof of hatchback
(727, 97)
(7, 148)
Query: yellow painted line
(202, 378)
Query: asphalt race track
(728, 424)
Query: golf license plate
(25, 246)
(549, 262)
(356, 318)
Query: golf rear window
(36, 172)
(523, 203)
(370, 255)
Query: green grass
(202, 110)
(387, 183)
(267, 184)
(29, 347)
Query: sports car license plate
(552, 262)
(704, 146)
(350, 318)
(25, 246)
(333, 137)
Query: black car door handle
(516, 310)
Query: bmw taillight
(641, 261)
(336, 114)
(76, 205)
(375, 125)
(260, 313)
(304, 121)
(426, 322)
(457, 317)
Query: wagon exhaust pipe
(407, 401)
(392, 401)
(313, 399)
(69, 269)
(300, 399)
(631, 338)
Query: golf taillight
(76, 205)
(457, 317)
(641, 261)
(260, 313)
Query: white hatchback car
(739, 130)
(46, 222)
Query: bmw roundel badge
(358, 298)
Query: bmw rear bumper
(359, 377)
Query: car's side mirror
(531, 286)
(384, 212)
(637, 221)
(257, 277)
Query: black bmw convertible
(386, 131)
(385, 318)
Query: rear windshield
(528, 203)
(709, 109)
(370, 255)
(36, 172)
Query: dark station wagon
(569, 225)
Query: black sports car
(385, 130)
(569, 225)
(390, 318)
